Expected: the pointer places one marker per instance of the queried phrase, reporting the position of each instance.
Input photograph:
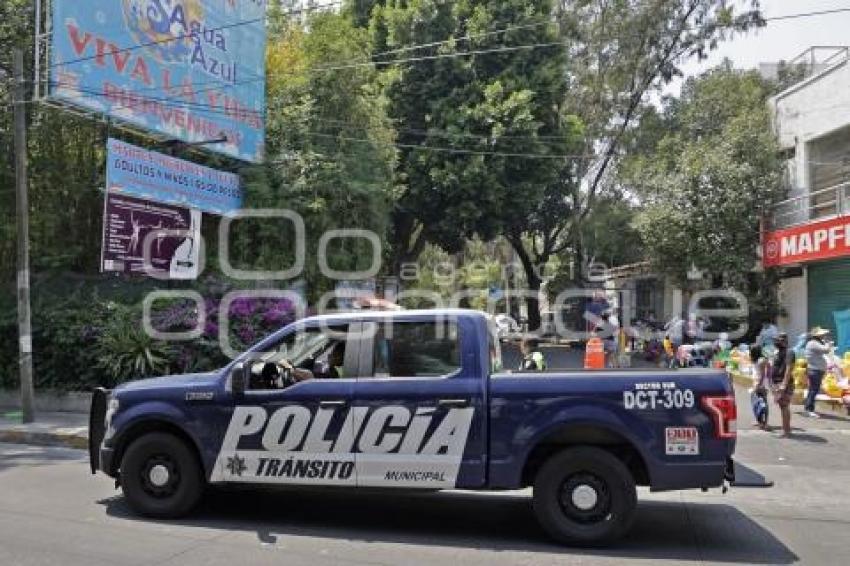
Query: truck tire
(161, 476)
(585, 496)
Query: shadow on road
(824, 417)
(500, 522)
(806, 437)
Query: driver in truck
(331, 369)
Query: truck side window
(416, 349)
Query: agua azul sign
(191, 70)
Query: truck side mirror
(239, 379)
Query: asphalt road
(52, 511)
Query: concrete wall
(813, 108)
(49, 401)
(793, 296)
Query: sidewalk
(50, 429)
(829, 406)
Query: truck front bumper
(106, 457)
(97, 430)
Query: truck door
(420, 400)
(295, 433)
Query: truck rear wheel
(585, 496)
(160, 476)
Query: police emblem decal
(236, 465)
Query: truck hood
(170, 382)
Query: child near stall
(669, 352)
(761, 382)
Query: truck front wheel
(161, 476)
(585, 496)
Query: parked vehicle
(417, 400)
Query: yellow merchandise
(830, 385)
(740, 361)
(799, 375)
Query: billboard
(190, 70)
(149, 175)
(169, 236)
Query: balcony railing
(818, 205)
(815, 60)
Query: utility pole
(24, 316)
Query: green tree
(708, 180)
(466, 123)
(65, 167)
(618, 54)
(329, 147)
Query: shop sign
(821, 240)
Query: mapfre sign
(817, 240)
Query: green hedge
(84, 341)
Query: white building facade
(808, 235)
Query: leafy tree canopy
(709, 176)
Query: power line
(215, 110)
(358, 62)
(166, 102)
(502, 49)
(172, 101)
(440, 133)
(807, 14)
(408, 48)
(219, 85)
(463, 38)
(211, 110)
(451, 149)
(365, 63)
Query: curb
(47, 438)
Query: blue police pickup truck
(417, 400)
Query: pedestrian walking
(817, 350)
(783, 385)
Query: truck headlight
(111, 410)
